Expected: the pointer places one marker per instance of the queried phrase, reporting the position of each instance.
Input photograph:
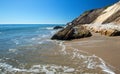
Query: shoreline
(105, 47)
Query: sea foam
(90, 61)
(47, 69)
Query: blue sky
(46, 11)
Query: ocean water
(20, 34)
(28, 49)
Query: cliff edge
(93, 20)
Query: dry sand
(108, 48)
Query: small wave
(49, 28)
(12, 50)
(40, 37)
(93, 62)
(47, 69)
(43, 36)
(63, 47)
(53, 32)
(89, 61)
(15, 41)
(46, 28)
(40, 42)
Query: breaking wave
(47, 69)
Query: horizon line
(31, 23)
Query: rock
(95, 16)
(58, 27)
(110, 32)
(61, 35)
(95, 29)
(100, 16)
(71, 32)
(87, 17)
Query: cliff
(109, 14)
(90, 21)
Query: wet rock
(58, 27)
(71, 32)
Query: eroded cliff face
(87, 17)
(110, 14)
(106, 15)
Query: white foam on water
(41, 42)
(49, 28)
(92, 62)
(12, 50)
(63, 47)
(44, 36)
(33, 38)
(15, 41)
(47, 69)
(53, 32)
(104, 67)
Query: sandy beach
(107, 48)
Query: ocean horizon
(21, 46)
(59, 37)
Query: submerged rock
(58, 27)
(71, 32)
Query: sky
(46, 11)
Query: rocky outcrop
(87, 17)
(113, 18)
(110, 32)
(71, 32)
(104, 29)
(58, 27)
(109, 14)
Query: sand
(107, 48)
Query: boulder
(58, 27)
(71, 32)
(110, 32)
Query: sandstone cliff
(93, 19)
(110, 14)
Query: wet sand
(107, 48)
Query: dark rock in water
(71, 32)
(58, 27)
